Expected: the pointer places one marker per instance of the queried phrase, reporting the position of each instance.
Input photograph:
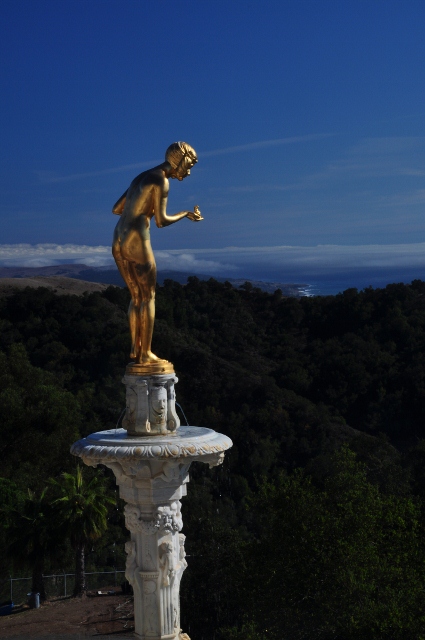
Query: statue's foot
(149, 357)
(136, 351)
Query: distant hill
(112, 276)
(60, 285)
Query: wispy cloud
(404, 199)
(384, 157)
(370, 158)
(251, 188)
(265, 143)
(387, 145)
(52, 177)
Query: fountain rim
(188, 442)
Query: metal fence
(60, 584)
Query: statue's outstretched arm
(118, 207)
(162, 219)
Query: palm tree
(82, 508)
(33, 537)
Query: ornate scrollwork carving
(169, 517)
(135, 523)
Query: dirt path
(73, 619)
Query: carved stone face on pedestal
(158, 406)
(150, 405)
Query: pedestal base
(158, 367)
(150, 404)
(152, 473)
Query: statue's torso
(133, 228)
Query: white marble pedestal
(152, 472)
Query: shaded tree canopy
(292, 512)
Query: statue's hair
(177, 151)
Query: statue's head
(182, 157)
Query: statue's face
(184, 168)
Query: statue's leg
(133, 321)
(147, 282)
(134, 311)
(129, 277)
(147, 312)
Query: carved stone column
(152, 473)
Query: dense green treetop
(320, 532)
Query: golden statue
(146, 198)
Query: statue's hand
(195, 215)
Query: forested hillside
(313, 527)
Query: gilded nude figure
(146, 198)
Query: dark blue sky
(334, 93)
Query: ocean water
(334, 283)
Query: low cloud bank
(232, 261)
(45, 255)
(318, 261)
(186, 261)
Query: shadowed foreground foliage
(336, 559)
